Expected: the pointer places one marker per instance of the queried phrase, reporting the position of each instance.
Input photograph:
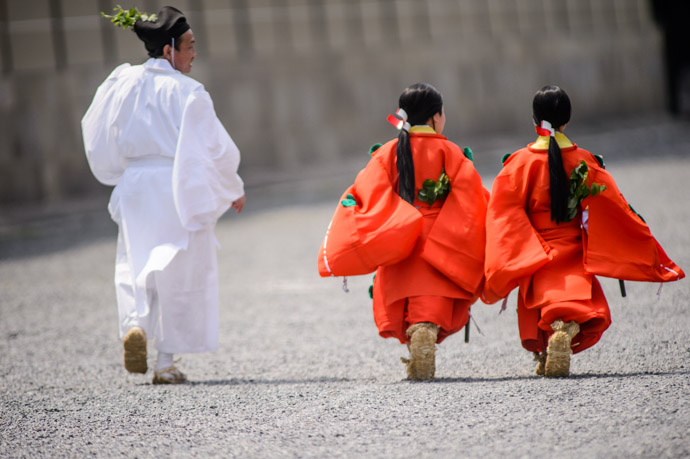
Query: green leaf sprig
(433, 190)
(578, 189)
(126, 18)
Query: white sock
(164, 361)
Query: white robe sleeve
(205, 180)
(99, 132)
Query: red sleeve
(514, 249)
(380, 229)
(455, 244)
(619, 243)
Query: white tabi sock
(164, 361)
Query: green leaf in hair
(126, 18)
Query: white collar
(159, 65)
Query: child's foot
(134, 343)
(540, 358)
(421, 366)
(558, 350)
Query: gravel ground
(301, 370)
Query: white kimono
(153, 133)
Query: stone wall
(305, 82)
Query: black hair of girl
(421, 101)
(552, 104)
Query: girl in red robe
(556, 219)
(416, 215)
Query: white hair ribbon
(399, 123)
(546, 129)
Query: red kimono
(428, 259)
(554, 264)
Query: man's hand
(238, 204)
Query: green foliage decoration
(374, 147)
(433, 190)
(371, 287)
(349, 201)
(126, 18)
(636, 213)
(579, 190)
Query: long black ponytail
(420, 101)
(552, 104)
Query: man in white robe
(152, 132)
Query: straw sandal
(540, 358)
(558, 350)
(421, 365)
(134, 344)
(170, 375)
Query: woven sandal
(134, 344)
(558, 350)
(421, 365)
(170, 375)
(540, 358)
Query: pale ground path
(301, 371)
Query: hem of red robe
(450, 314)
(593, 316)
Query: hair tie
(399, 123)
(546, 129)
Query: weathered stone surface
(305, 82)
